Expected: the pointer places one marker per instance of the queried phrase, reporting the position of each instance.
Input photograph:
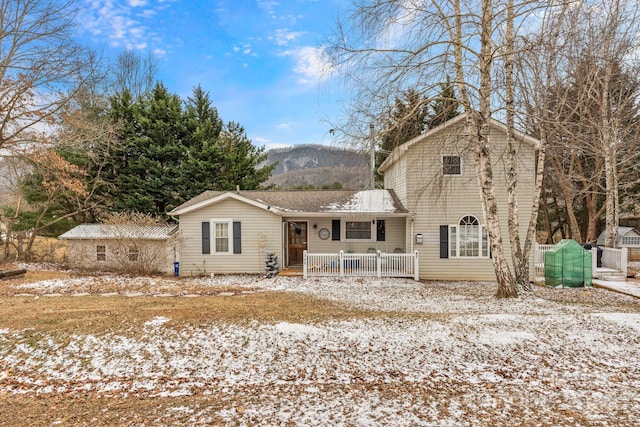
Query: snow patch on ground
(435, 354)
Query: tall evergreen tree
(153, 180)
(205, 157)
(411, 115)
(444, 107)
(241, 164)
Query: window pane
(469, 240)
(222, 237)
(101, 253)
(133, 254)
(358, 230)
(451, 165)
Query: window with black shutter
(206, 238)
(237, 237)
(381, 230)
(335, 229)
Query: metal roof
(622, 231)
(116, 231)
(305, 201)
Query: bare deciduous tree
(40, 67)
(588, 112)
(418, 43)
(133, 73)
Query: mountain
(318, 165)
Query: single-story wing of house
(142, 248)
(232, 232)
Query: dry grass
(96, 314)
(62, 317)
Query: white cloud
(268, 6)
(283, 36)
(268, 144)
(284, 126)
(311, 64)
(127, 24)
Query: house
(430, 205)
(628, 237)
(128, 248)
(233, 231)
(434, 177)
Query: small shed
(126, 248)
(568, 264)
(627, 237)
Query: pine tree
(443, 108)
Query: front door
(296, 241)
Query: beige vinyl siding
(394, 236)
(82, 253)
(395, 179)
(443, 200)
(261, 233)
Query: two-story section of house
(434, 177)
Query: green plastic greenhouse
(567, 264)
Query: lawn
(241, 350)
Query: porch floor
(291, 271)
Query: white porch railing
(378, 264)
(615, 259)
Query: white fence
(539, 258)
(615, 259)
(378, 264)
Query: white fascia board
(225, 196)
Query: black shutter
(237, 237)
(335, 229)
(206, 237)
(381, 230)
(444, 241)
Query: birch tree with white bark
(419, 43)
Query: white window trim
(229, 223)
(482, 229)
(451, 155)
(343, 232)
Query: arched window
(468, 239)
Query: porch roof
(305, 202)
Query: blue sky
(259, 59)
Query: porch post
(341, 262)
(304, 263)
(416, 268)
